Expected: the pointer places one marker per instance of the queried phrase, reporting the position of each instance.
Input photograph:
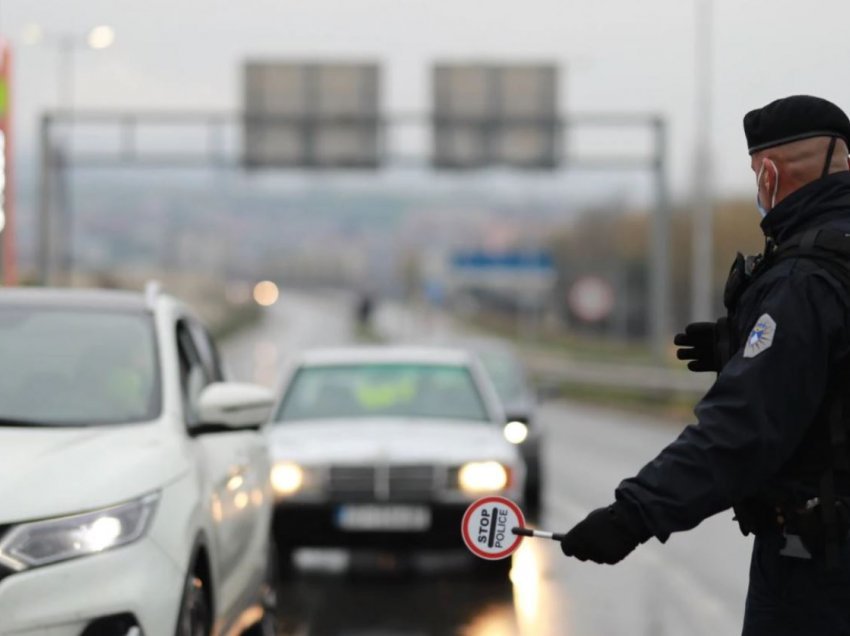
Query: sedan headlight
(31, 545)
(481, 477)
(516, 432)
(287, 478)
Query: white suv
(133, 479)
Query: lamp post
(98, 38)
(67, 44)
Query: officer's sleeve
(754, 416)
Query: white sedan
(385, 447)
(134, 494)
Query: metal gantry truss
(221, 149)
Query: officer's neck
(817, 202)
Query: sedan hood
(49, 472)
(403, 441)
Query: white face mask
(762, 210)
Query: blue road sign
(525, 260)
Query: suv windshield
(425, 391)
(77, 367)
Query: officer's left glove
(605, 536)
(705, 345)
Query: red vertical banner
(7, 186)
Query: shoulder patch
(761, 337)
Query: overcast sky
(617, 55)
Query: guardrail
(561, 368)
(397, 323)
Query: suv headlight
(31, 545)
(481, 477)
(287, 478)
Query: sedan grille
(383, 483)
(352, 483)
(411, 483)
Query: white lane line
(714, 617)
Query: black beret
(792, 119)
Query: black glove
(605, 536)
(705, 344)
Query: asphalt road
(695, 584)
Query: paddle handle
(537, 534)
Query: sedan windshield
(77, 367)
(427, 391)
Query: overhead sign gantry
(311, 115)
(496, 114)
(323, 115)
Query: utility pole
(660, 272)
(45, 192)
(702, 242)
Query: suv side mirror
(234, 405)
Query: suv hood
(50, 472)
(403, 441)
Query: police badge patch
(761, 337)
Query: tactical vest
(822, 522)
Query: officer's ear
(769, 175)
(763, 176)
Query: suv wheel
(268, 597)
(195, 617)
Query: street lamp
(101, 37)
(97, 38)
(32, 34)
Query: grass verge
(579, 347)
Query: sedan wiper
(21, 423)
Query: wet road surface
(695, 584)
(384, 604)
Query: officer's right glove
(605, 536)
(705, 344)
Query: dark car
(519, 400)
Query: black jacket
(760, 417)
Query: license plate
(388, 518)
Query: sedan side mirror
(234, 405)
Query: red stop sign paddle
(488, 528)
(493, 528)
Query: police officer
(770, 437)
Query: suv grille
(383, 483)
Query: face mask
(759, 205)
